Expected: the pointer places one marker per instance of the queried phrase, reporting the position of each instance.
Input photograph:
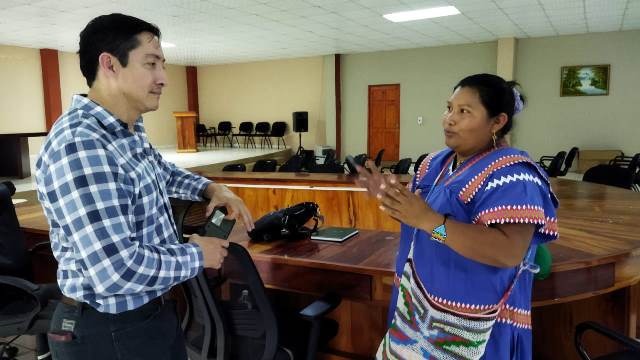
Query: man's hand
(220, 195)
(214, 250)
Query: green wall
(426, 77)
(551, 123)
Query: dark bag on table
(288, 223)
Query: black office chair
(568, 161)
(360, 159)
(25, 308)
(330, 165)
(225, 130)
(401, 167)
(329, 156)
(418, 162)
(610, 175)
(230, 316)
(235, 167)
(308, 159)
(263, 129)
(294, 164)
(552, 164)
(203, 134)
(246, 130)
(268, 165)
(378, 158)
(631, 346)
(278, 129)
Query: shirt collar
(113, 124)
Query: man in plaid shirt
(104, 190)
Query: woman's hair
(497, 96)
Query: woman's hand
(220, 195)
(405, 206)
(370, 178)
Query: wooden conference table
(595, 271)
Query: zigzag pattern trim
(517, 317)
(519, 214)
(550, 227)
(510, 178)
(461, 307)
(471, 188)
(525, 214)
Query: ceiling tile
(219, 31)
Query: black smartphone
(217, 226)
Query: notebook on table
(334, 234)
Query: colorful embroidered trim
(509, 178)
(424, 166)
(513, 316)
(527, 214)
(550, 227)
(517, 317)
(471, 188)
(518, 214)
(467, 165)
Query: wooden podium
(186, 130)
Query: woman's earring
(494, 140)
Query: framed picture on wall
(584, 80)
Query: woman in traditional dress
(472, 218)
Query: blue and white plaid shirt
(105, 193)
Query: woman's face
(466, 123)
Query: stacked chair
(553, 164)
(621, 171)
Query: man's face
(142, 80)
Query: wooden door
(384, 121)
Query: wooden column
(338, 108)
(186, 131)
(51, 85)
(192, 89)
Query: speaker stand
(300, 148)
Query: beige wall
(71, 80)
(426, 77)
(160, 124)
(265, 91)
(551, 123)
(21, 97)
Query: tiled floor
(26, 346)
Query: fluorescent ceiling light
(165, 44)
(422, 14)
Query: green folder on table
(335, 234)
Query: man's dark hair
(496, 95)
(115, 34)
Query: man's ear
(107, 63)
